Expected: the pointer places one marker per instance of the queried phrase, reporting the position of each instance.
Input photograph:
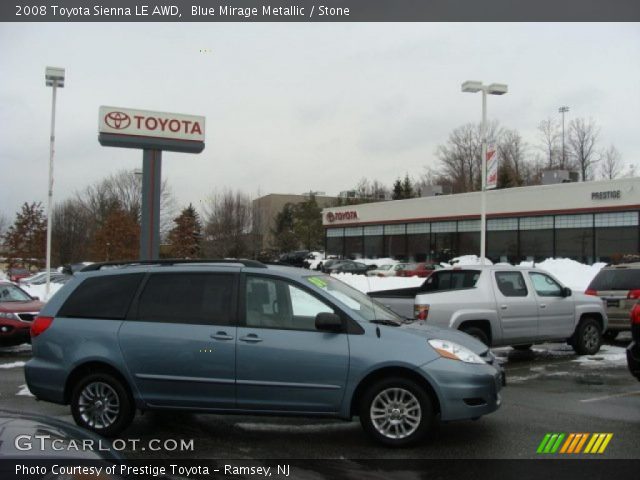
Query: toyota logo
(331, 217)
(117, 120)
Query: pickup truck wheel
(477, 333)
(588, 337)
(396, 412)
(100, 402)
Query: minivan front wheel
(396, 412)
(100, 402)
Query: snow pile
(3, 276)
(39, 290)
(378, 261)
(574, 275)
(12, 365)
(371, 284)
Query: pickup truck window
(511, 284)
(451, 280)
(545, 286)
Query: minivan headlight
(455, 351)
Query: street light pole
(564, 109)
(472, 86)
(54, 77)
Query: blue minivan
(238, 336)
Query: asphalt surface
(549, 389)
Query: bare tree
(583, 138)
(512, 149)
(549, 134)
(228, 223)
(4, 223)
(611, 166)
(461, 157)
(70, 232)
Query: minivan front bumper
(465, 391)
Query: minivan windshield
(355, 300)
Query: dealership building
(586, 221)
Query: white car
(383, 271)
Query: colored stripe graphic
(573, 443)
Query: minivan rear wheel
(102, 403)
(396, 412)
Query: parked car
(619, 288)
(17, 311)
(295, 259)
(419, 270)
(382, 271)
(633, 350)
(504, 305)
(349, 266)
(327, 264)
(41, 278)
(15, 274)
(254, 339)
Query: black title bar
(321, 11)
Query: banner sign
(492, 166)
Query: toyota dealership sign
(126, 127)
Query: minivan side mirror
(328, 322)
(566, 292)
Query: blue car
(242, 337)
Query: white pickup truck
(503, 305)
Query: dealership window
(536, 238)
(335, 241)
(373, 246)
(353, 242)
(395, 241)
(443, 241)
(616, 235)
(574, 237)
(418, 242)
(502, 240)
(469, 237)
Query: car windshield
(384, 267)
(11, 293)
(355, 300)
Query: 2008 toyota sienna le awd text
(243, 337)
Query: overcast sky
(294, 107)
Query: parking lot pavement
(549, 389)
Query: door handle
(503, 307)
(542, 305)
(251, 338)
(221, 336)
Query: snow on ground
(378, 261)
(12, 365)
(24, 391)
(608, 356)
(25, 347)
(574, 275)
(39, 290)
(3, 276)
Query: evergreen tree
(307, 224)
(285, 238)
(26, 238)
(186, 235)
(407, 187)
(397, 193)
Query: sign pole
(151, 186)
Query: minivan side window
(511, 284)
(104, 297)
(545, 286)
(189, 298)
(273, 303)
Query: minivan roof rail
(173, 261)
